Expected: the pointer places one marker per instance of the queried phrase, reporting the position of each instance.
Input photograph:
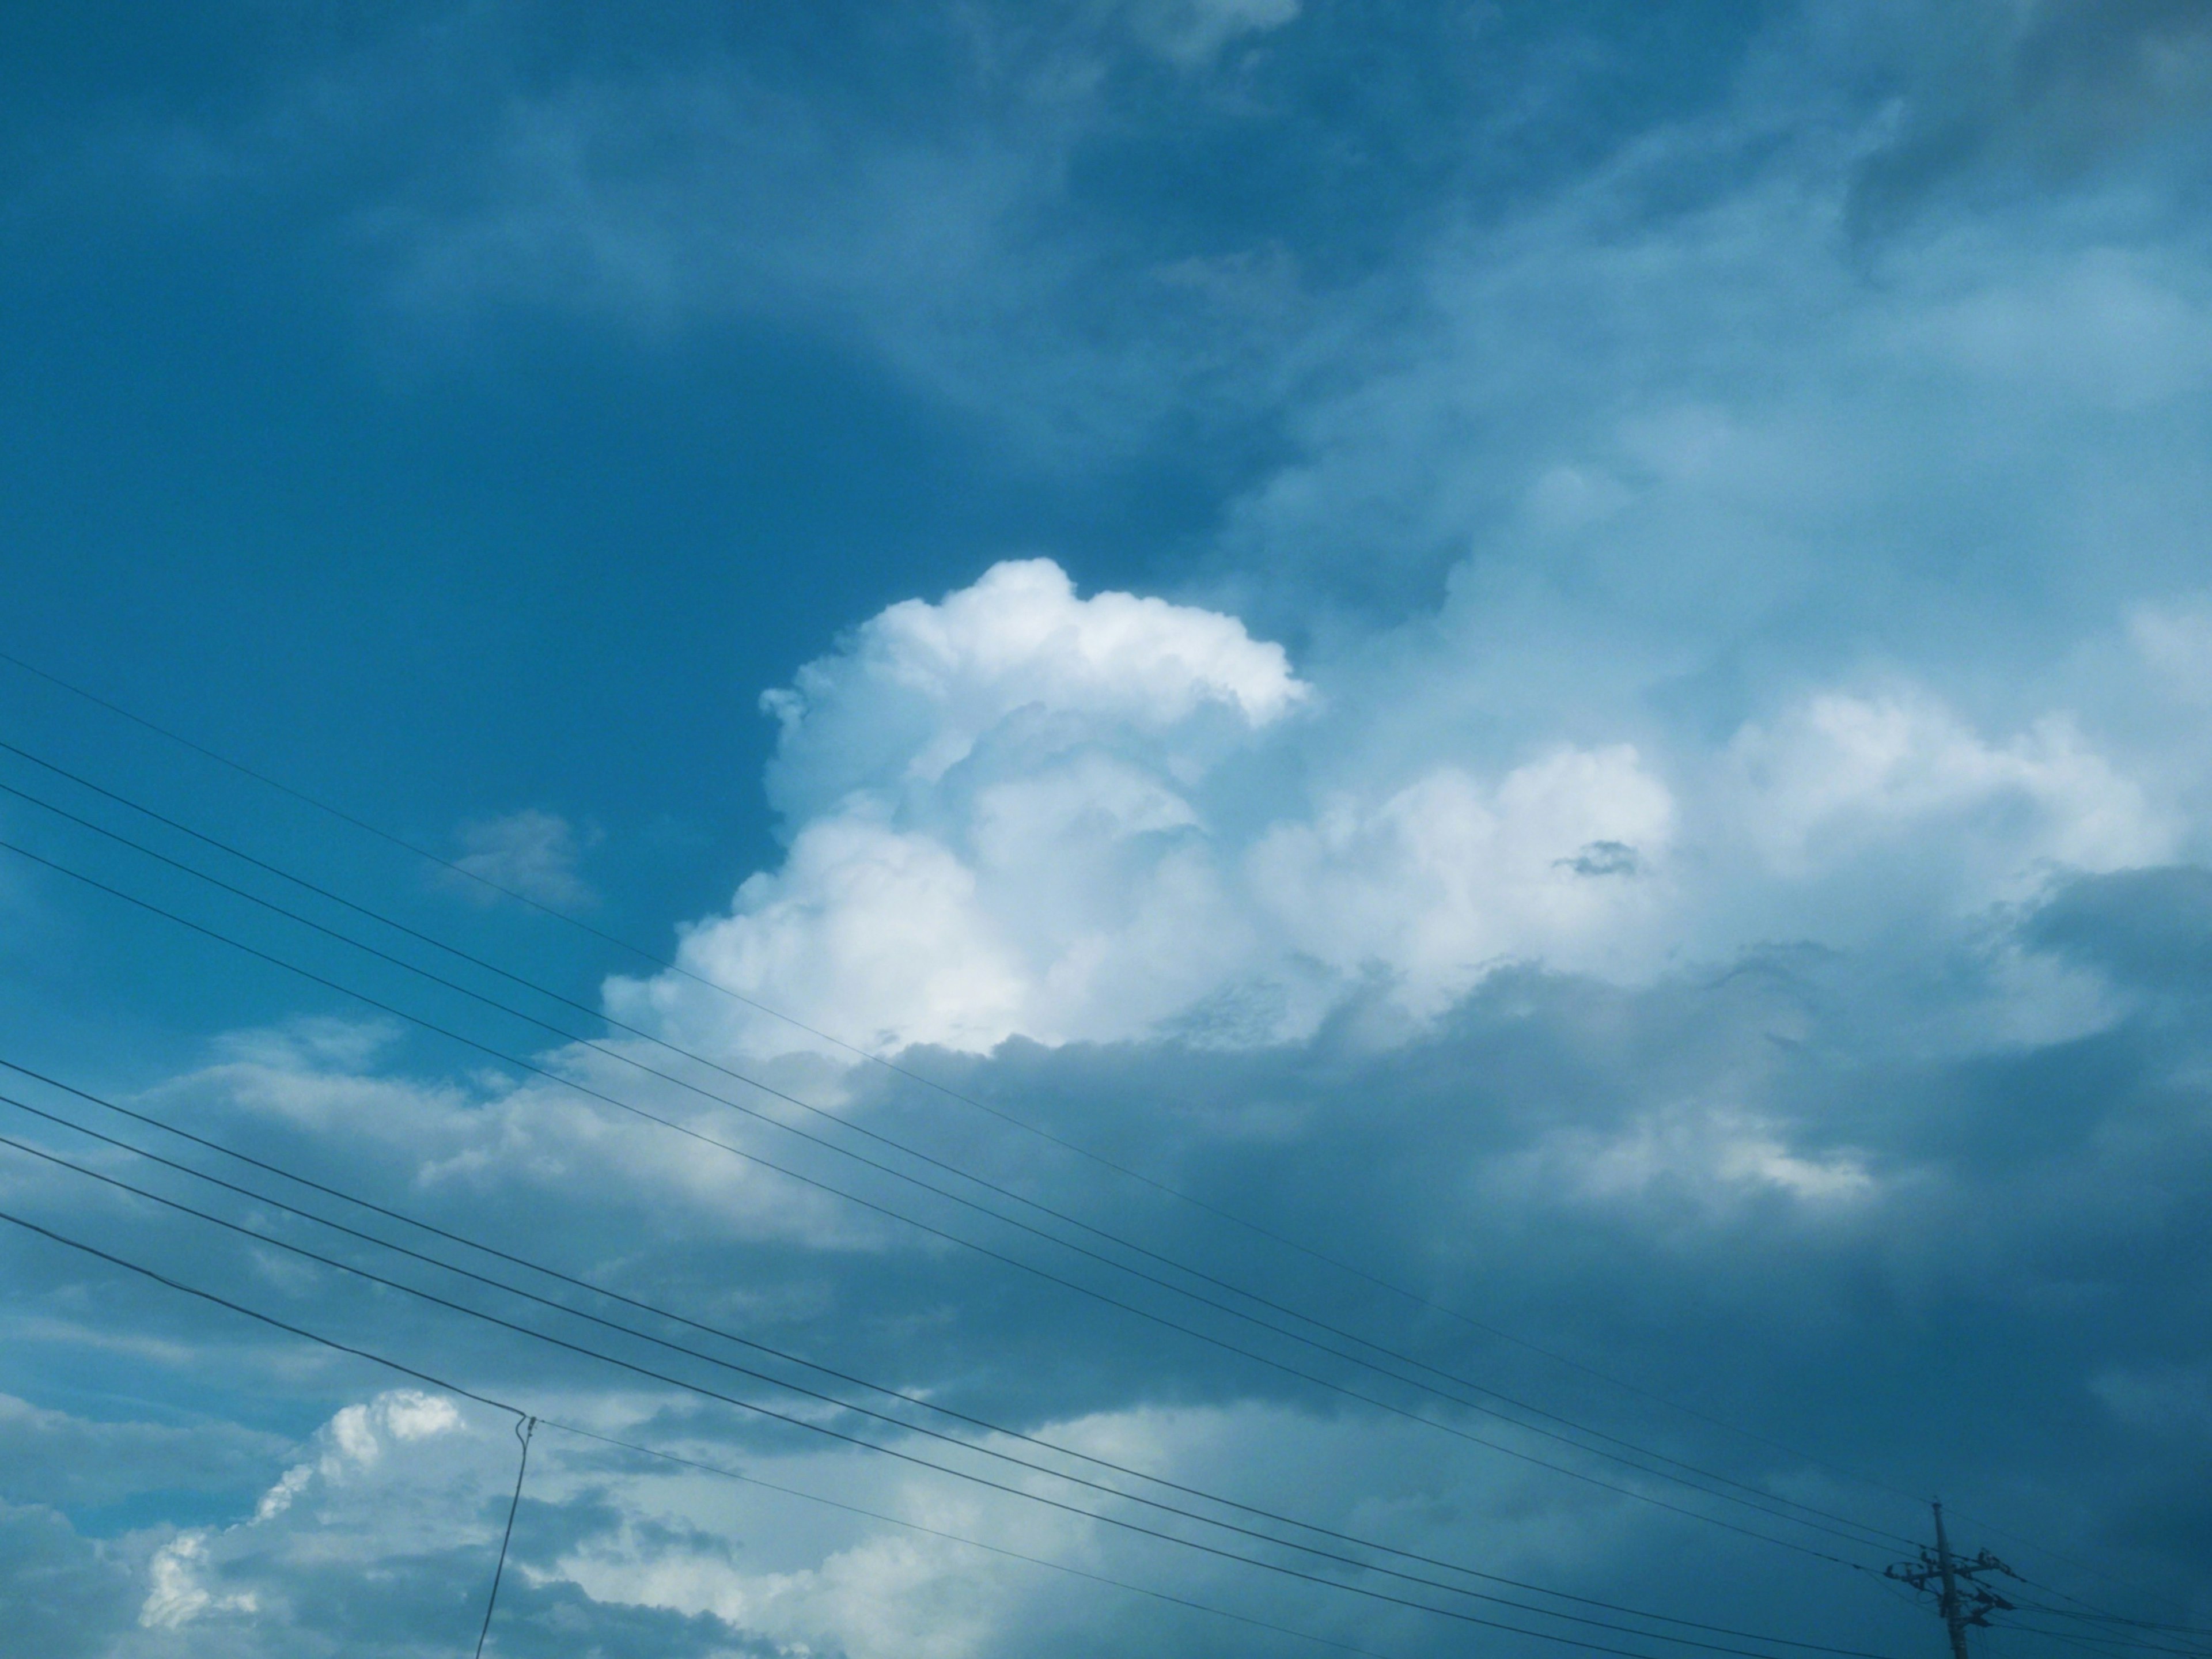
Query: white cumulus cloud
(1019, 812)
(1446, 876)
(1841, 774)
(1004, 821)
(999, 823)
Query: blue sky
(1559, 652)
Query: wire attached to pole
(523, 1428)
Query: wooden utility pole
(1953, 1620)
(1960, 1598)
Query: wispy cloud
(534, 854)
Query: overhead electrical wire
(2082, 1643)
(779, 1383)
(1200, 1494)
(1898, 1593)
(2116, 1627)
(2112, 1644)
(522, 1432)
(825, 1429)
(860, 1052)
(1148, 1315)
(697, 1465)
(460, 1392)
(1334, 1558)
(2099, 1615)
(1013, 1119)
(2063, 1642)
(2089, 1610)
(1764, 1500)
(1765, 1497)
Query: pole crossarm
(1955, 1581)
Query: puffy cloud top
(920, 685)
(998, 823)
(1007, 817)
(1013, 813)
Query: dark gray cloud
(2149, 929)
(1151, 203)
(2049, 89)
(1977, 1266)
(85, 1464)
(65, 1596)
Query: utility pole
(1960, 1599)
(1951, 1621)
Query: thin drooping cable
(2090, 1610)
(523, 1431)
(455, 1388)
(1283, 1520)
(2112, 1643)
(779, 1383)
(1767, 1500)
(2112, 1628)
(823, 1430)
(858, 1051)
(1147, 1315)
(1353, 1563)
(646, 1307)
(1922, 1603)
(267, 1319)
(2089, 1645)
(2089, 1613)
(687, 1463)
(2063, 1641)
(2099, 1616)
(1758, 1499)
(2109, 1631)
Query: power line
(695, 1464)
(823, 1430)
(1766, 1500)
(2092, 1612)
(2053, 1636)
(822, 1398)
(522, 1432)
(933, 1084)
(773, 1382)
(2116, 1630)
(2112, 1644)
(1963, 1600)
(455, 1388)
(1955, 1581)
(671, 965)
(1029, 1268)
(2080, 1565)
(2099, 1616)
(1279, 1519)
